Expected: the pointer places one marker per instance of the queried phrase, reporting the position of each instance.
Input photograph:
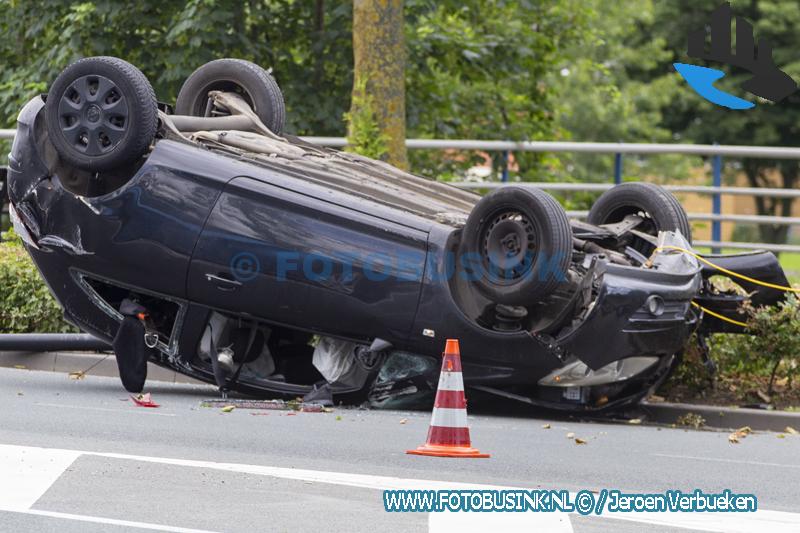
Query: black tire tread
(558, 237)
(562, 236)
(635, 194)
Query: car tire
(101, 113)
(258, 88)
(661, 209)
(523, 240)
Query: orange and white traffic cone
(448, 435)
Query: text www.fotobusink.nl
(548, 501)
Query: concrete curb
(722, 417)
(91, 363)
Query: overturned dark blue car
(203, 238)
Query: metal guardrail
(752, 219)
(600, 187)
(767, 152)
(777, 248)
(618, 150)
(735, 245)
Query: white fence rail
(600, 187)
(767, 152)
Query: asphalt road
(78, 455)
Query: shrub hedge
(26, 305)
(761, 367)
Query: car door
(296, 259)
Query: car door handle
(223, 282)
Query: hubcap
(93, 114)
(508, 246)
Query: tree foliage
(307, 44)
(474, 70)
(480, 70)
(605, 97)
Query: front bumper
(637, 312)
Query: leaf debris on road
(739, 434)
(692, 420)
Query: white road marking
(721, 460)
(762, 520)
(758, 522)
(448, 522)
(27, 473)
(137, 411)
(366, 481)
(108, 521)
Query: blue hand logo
(702, 79)
(767, 81)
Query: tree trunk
(756, 171)
(379, 78)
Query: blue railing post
(504, 175)
(617, 168)
(716, 202)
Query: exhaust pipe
(51, 342)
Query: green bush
(774, 344)
(759, 367)
(363, 134)
(26, 305)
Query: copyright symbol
(245, 266)
(584, 502)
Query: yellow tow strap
(728, 272)
(717, 315)
(725, 270)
